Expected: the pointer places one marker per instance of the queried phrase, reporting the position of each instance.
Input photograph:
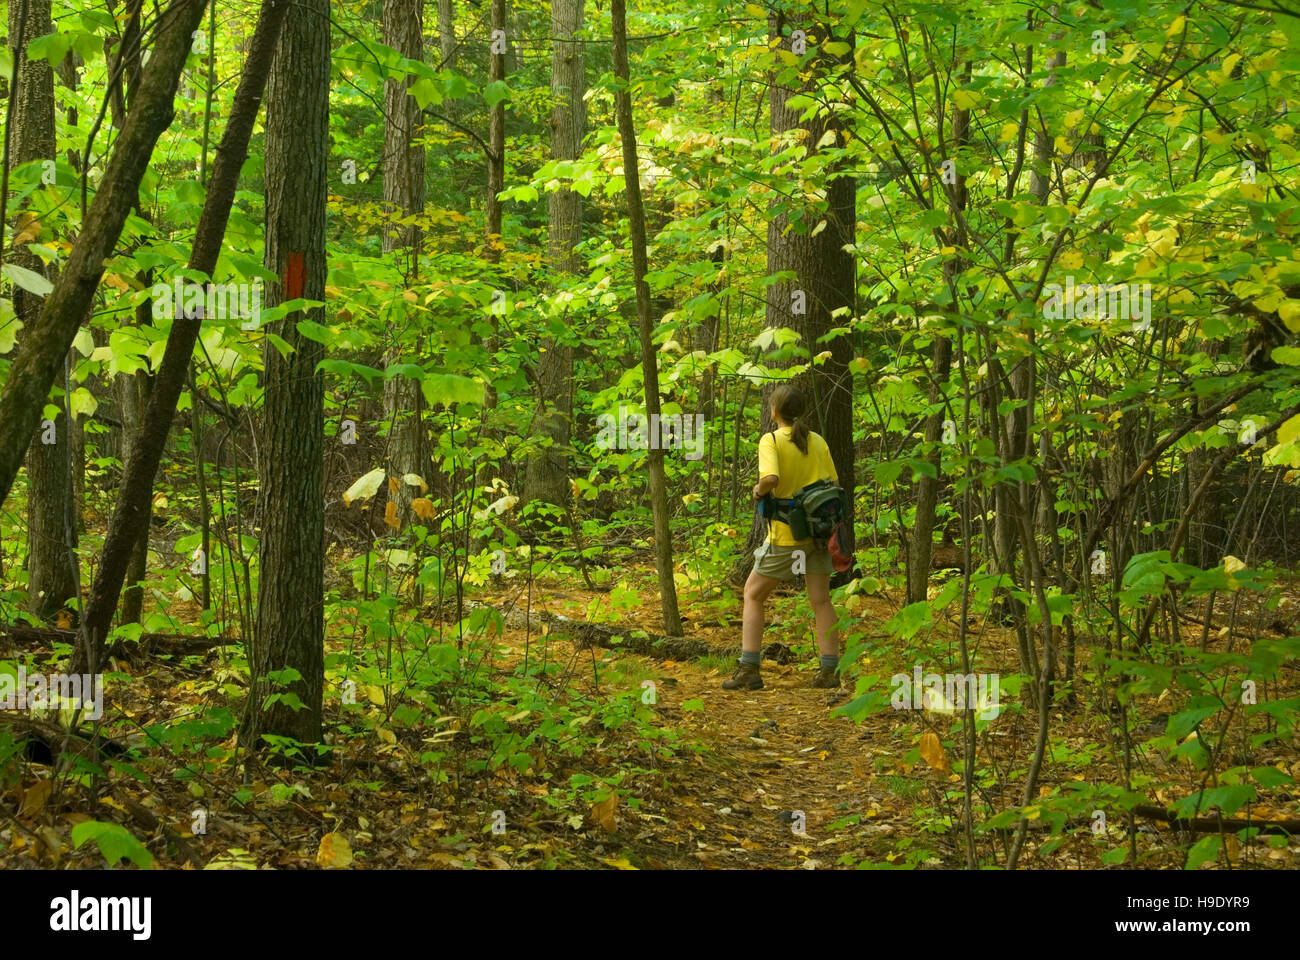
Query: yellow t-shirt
(778, 456)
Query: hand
(758, 491)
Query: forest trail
(783, 781)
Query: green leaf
(1207, 848)
(425, 91)
(29, 280)
(495, 92)
(52, 47)
(447, 388)
(115, 843)
(690, 706)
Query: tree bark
(496, 134)
(290, 629)
(403, 198)
(51, 530)
(547, 473)
(921, 544)
(42, 357)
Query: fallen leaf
(603, 813)
(933, 753)
(35, 797)
(621, 863)
(334, 852)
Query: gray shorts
(777, 562)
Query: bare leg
(819, 595)
(757, 589)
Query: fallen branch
(1215, 824)
(149, 644)
(613, 637)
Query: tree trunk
(133, 500)
(824, 282)
(921, 545)
(447, 33)
(134, 394)
(290, 603)
(547, 474)
(496, 133)
(43, 353)
(403, 198)
(649, 364)
(51, 530)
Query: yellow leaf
(1288, 431)
(1229, 62)
(1073, 118)
(35, 797)
(415, 480)
(1289, 312)
(966, 99)
(365, 487)
(933, 753)
(334, 852)
(29, 229)
(1176, 26)
(1232, 564)
(621, 863)
(390, 516)
(423, 508)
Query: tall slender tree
(645, 323)
(546, 476)
(51, 529)
(403, 198)
(290, 631)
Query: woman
(789, 458)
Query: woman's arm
(765, 486)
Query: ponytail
(788, 401)
(799, 435)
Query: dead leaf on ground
(603, 813)
(35, 797)
(933, 753)
(334, 852)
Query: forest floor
(773, 778)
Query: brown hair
(788, 402)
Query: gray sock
(749, 656)
(829, 661)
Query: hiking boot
(826, 679)
(746, 677)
